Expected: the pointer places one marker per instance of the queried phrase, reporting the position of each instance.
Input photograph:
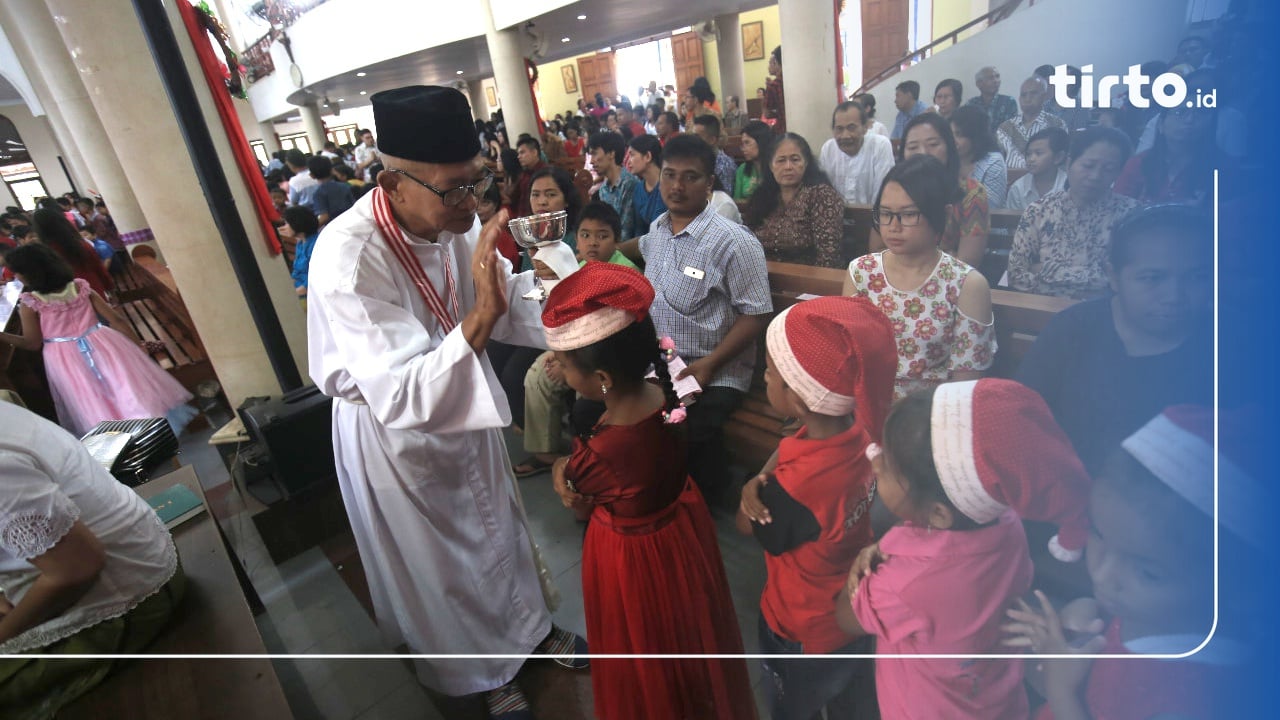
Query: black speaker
(296, 430)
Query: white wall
(44, 150)
(1052, 32)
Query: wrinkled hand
(1043, 633)
(559, 481)
(863, 565)
(751, 505)
(701, 369)
(486, 268)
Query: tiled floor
(310, 609)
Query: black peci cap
(425, 123)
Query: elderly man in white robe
(405, 291)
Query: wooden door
(686, 57)
(595, 75)
(884, 34)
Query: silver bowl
(539, 230)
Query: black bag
(152, 442)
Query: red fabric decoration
(532, 71)
(212, 68)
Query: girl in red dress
(652, 577)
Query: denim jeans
(800, 689)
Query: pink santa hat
(997, 447)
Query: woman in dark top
(796, 213)
(1107, 366)
(54, 230)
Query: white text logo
(1168, 90)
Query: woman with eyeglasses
(1179, 166)
(939, 306)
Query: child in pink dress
(95, 372)
(960, 465)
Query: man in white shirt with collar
(1015, 133)
(856, 162)
(366, 154)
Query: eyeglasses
(458, 195)
(906, 218)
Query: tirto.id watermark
(1168, 90)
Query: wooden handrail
(915, 56)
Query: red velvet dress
(653, 582)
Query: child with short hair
(1150, 557)
(1046, 151)
(652, 577)
(830, 362)
(599, 231)
(960, 464)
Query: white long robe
(421, 461)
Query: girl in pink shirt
(961, 464)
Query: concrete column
(111, 56)
(313, 126)
(479, 105)
(507, 55)
(267, 129)
(72, 116)
(809, 66)
(729, 53)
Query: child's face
(596, 241)
(1141, 573)
(586, 384)
(891, 488)
(1041, 159)
(486, 210)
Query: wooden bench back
(733, 148)
(1019, 319)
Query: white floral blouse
(934, 337)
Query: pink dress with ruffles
(95, 373)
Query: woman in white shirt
(86, 566)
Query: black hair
(510, 162)
(274, 178)
(777, 54)
(84, 201)
(58, 233)
(564, 181)
(764, 201)
(973, 122)
(20, 230)
(626, 356)
(1044, 71)
(762, 134)
(1165, 220)
(341, 169)
(690, 147)
(363, 131)
(910, 87)
(957, 89)
(529, 140)
(611, 143)
(602, 212)
(1059, 140)
(908, 450)
(701, 91)
(320, 166)
(493, 196)
(301, 219)
(710, 122)
(64, 203)
(929, 185)
(43, 269)
(1084, 139)
(672, 119)
(295, 158)
(868, 103)
(849, 105)
(1155, 163)
(611, 113)
(943, 128)
(649, 145)
(330, 144)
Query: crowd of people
(920, 508)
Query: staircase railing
(951, 38)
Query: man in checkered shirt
(712, 298)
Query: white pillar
(507, 56)
(809, 66)
(269, 137)
(111, 56)
(75, 122)
(729, 53)
(313, 126)
(479, 106)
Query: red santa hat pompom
(1177, 446)
(996, 446)
(593, 303)
(837, 354)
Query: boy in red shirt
(831, 362)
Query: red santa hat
(837, 354)
(996, 446)
(594, 303)
(1177, 446)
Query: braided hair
(627, 355)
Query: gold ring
(481, 266)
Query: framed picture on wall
(570, 77)
(753, 41)
(491, 96)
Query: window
(296, 140)
(24, 182)
(260, 151)
(344, 135)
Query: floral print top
(807, 230)
(1070, 242)
(971, 217)
(934, 337)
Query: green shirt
(743, 184)
(617, 259)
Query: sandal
(508, 703)
(532, 466)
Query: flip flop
(569, 648)
(533, 466)
(508, 703)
